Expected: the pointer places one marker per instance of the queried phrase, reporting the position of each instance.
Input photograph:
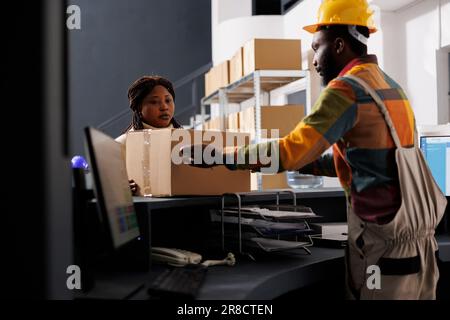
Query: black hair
(341, 31)
(138, 91)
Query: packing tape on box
(146, 188)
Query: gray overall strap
(381, 106)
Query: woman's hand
(134, 187)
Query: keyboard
(181, 282)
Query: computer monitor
(111, 187)
(436, 149)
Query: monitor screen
(437, 153)
(111, 188)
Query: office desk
(184, 221)
(269, 277)
(273, 275)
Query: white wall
(391, 52)
(411, 52)
(221, 11)
(421, 30)
(231, 9)
(443, 68)
(412, 49)
(294, 21)
(235, 32)
(445, 22)
(409, 45)
(410, 33)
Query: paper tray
(271, 245)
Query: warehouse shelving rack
(254, 85)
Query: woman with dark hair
(152, 100)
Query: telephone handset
(175, 257)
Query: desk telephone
(180, 258)
(175, 257)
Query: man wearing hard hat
(384, 235)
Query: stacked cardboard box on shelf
(261, 54)
(214, 124)
(256, 54)
(217, 77)
(233, 122)
(272, 54)
(237, 65)
(284, 118)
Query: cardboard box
(272, 54)
(215, 124)
(237, 65)
(247, 121)
(270, 181)
(275, 181)
(233, 122)
(217, 77)
(208, 90)
(150, 155)
(284, 118)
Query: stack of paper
(274, 214)
(271, 245)
(330, 234)
(264, 227)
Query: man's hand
(196, 156)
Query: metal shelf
(252, 86)
(244, 88)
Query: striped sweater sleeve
(324, 166)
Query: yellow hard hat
(347, 12)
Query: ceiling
(392, 5)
